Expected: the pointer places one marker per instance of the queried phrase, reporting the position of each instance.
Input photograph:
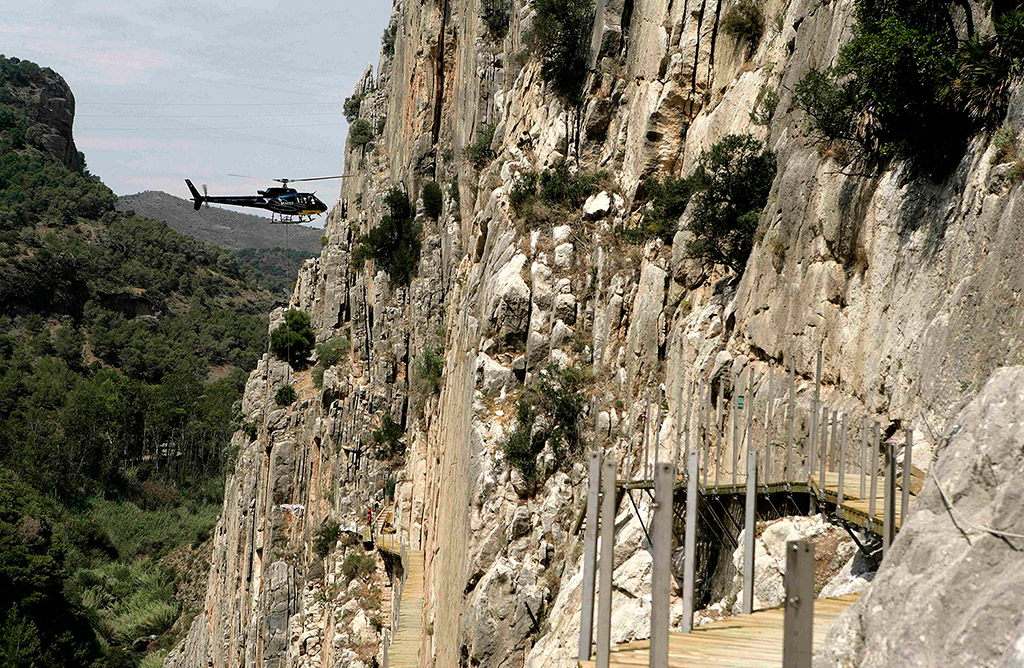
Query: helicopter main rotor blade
(317, 178)
(243, 176)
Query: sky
(202, 89)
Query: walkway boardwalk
(405, 649)
(743, 641)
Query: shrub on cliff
(360, 133)
(555, 400)
(394, 243)
(352, 103)
(325, 538)
(560, 34)
(358, 566)
(292, 340)
(830, 106)
(745, 22)
(432, 200)
(479, 152)
(285, 396)
(328, 354)
(429, 370)
(731, 186)
(389, 438)
(668, 198)
(557, 187)
(496, 15)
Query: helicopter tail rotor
(197, 199)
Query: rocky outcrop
(909, 286)
(947, 592)
(47, 99)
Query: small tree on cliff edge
(394, 243)
(561, 34)
(731, 187)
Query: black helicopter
(286, 205)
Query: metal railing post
(908, 451)
(689, 560)
(748, 534)
(889, 502)
(873, 488)
(661, 568)
(604, 610)
(842, 468)
(863, 453)
(589, 558)
(798, 631)
(790, 414)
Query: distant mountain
(228, 229)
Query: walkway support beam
(798, 639)
(604, 610)
(889, 502)
(661, 573)
(908, 451)
(589, 558)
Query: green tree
(293, 339)
(394, 243)
(561, 35)
(732, 182)
(432, 200)
(360, 133)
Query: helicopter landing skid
(285, 219)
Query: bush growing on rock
(325, 538)
(432, 200)
(731, 185)
(745, 22)
(360, 133)
(555, 401)
(285, 396)
(389, 438)
(357, 566)
(560, 34)
(387, 40)
(830, 106)
(557, 187)
(352, 103)
(328, 354)
(479, 151)
(496, 15)
(668, 198)
(394, 243)
(292, 340)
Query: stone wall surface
(910, 287)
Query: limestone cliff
(911, 286)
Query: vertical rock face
(50, 105)
(910, 287)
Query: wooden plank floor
(405, 650)
(742, 641)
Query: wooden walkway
(742, 641)
(405, 649)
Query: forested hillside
(273, 251)
(124, 348)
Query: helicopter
(286, 205)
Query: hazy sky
(169, 90)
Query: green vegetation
(292, 340)
(731, 187)
(908, 86)
(360, 133)
(389, 438)
(285, 396)
(358, 567)
(432, 200)
(764, 107)
(479, 151)
(429, 370)
(556, 190)
(557, 396)
(328, 354)
(325, 538)
(387, 40)
(394, 243)
(745, 22)
(496, 15)
(351, 107)
(124, 348)
(275, 268)
(668, 198)
(560, 35)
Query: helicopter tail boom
(197, 199)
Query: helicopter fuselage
(286, 202)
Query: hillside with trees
(124, 349)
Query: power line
(232, 127)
